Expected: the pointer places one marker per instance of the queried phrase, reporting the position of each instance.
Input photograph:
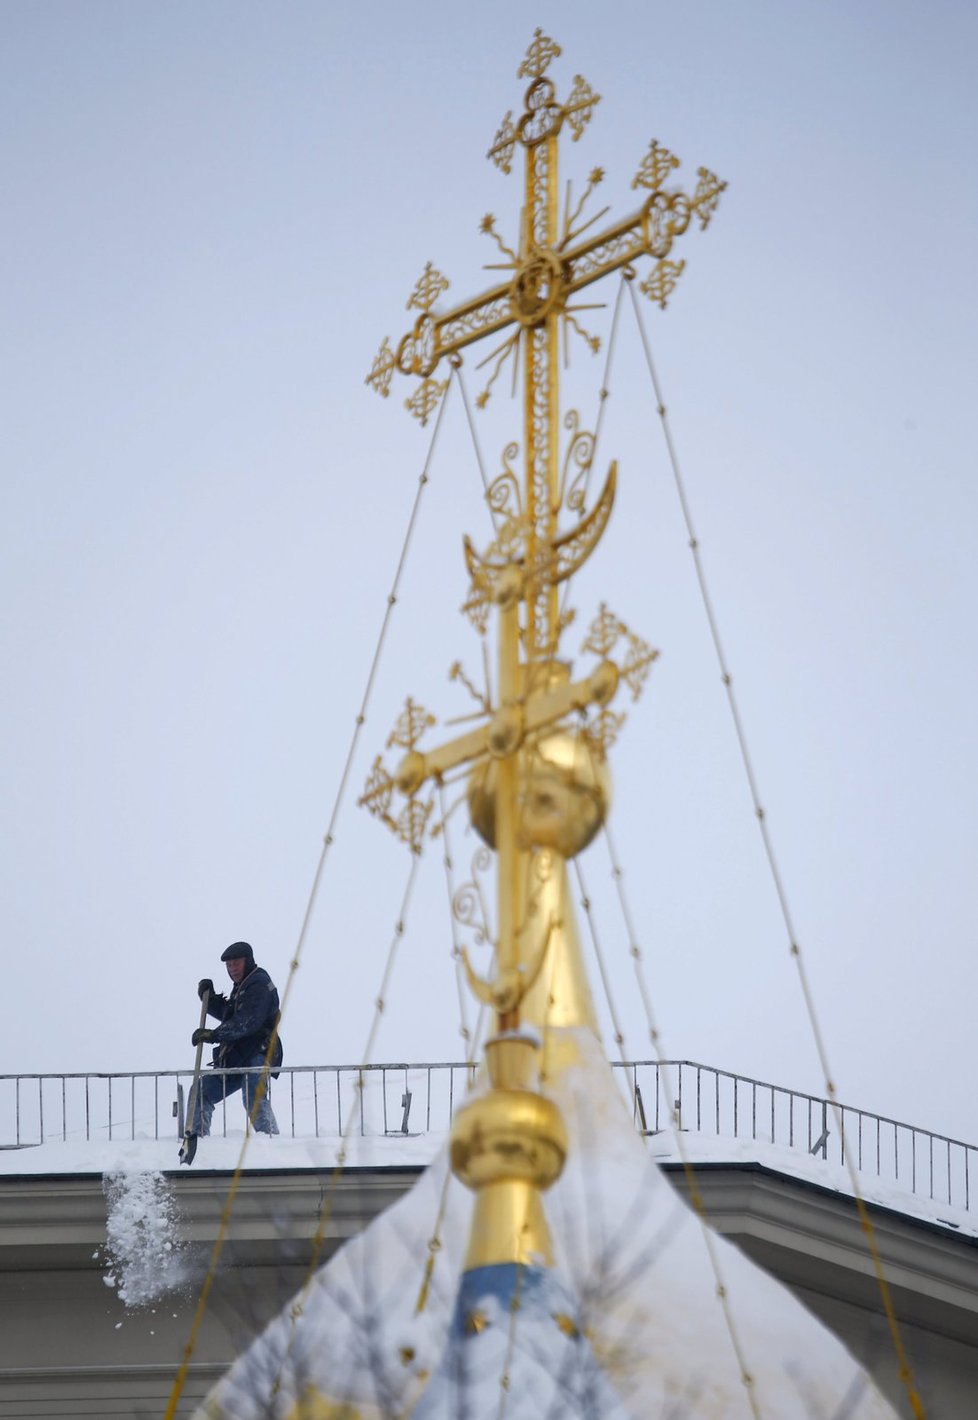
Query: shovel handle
(192, 1100)
(204, 1003)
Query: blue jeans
(216, 1087)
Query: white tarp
(627, 1250)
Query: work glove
(204, 985)
(202, 1034)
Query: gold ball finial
(564, 791)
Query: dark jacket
(247, 1017)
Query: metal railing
(720, 1103)
(410, 1099)
(310, 1101)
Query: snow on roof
(74, 1157)
(798, 1164)
(397, 1150)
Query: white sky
(213, 214)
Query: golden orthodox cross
(537, 787)
(555, 260)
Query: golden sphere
(563, 789)
(506, 1135)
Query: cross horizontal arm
(508, 728)
(474, 319)
(608, 251)
(648, 232)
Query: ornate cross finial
(554, 260)
(556, 257)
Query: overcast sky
(213, 214)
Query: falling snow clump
(142, 1252)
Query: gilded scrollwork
(504, 144)
(661, 281)
(607, 255)
(579, 107)
(638, 659)
(469, 907)
(665, 216)
(412, 822)
(603, 633)
(602, 730)
(378, 792)
(426, 398)
(706, 198)
(410, 725)
(541, 51)
(543, 115)
(577, 464)
(457, 330)
(539, 178)
(419, 352)
(655, 167)
(476, 607)
(431, 284)
(503, 494)
(538, 484)
(382, 370)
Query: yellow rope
(326, 1204)
(665, 1082)
(450, 886)
(328, 840)
(473, 1041)
(604, 395)
(480, 461)
(904, 1368)
(599, 956)
(696, 1197)
(515, 1306)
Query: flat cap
(237, 949)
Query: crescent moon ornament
(506, 990)
(560, 560)
(573, 549)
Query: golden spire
(538, 786)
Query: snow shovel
(188, 1146)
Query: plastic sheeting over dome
(628, 1322)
